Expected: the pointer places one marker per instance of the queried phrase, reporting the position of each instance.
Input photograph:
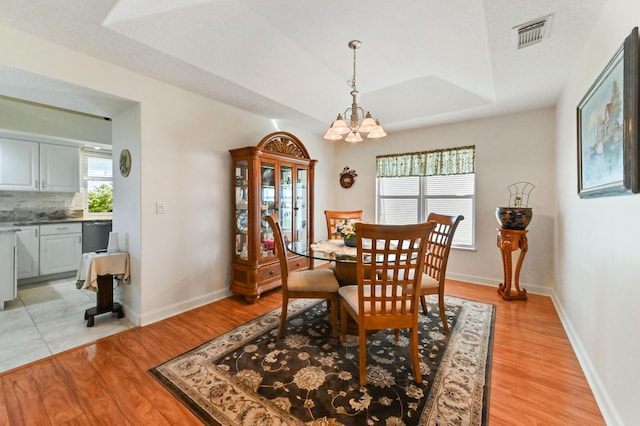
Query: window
(410, 186)
(97, 174)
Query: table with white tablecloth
(96, 273)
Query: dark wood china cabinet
(276, 175)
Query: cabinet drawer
(269, 272)
(61, 228)
(298, 263)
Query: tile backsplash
(32, 205)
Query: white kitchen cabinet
(60, 247)
(33, 166)
(8, 280)
(59, 168)
(28, 251)
(19, 167)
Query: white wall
(597, 288)
(509, 148)
(179, 142)
(126, 201)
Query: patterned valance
(439, 162)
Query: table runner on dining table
(336, 247)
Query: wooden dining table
(345, 257)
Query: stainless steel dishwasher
(95, 235)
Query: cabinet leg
(252, 299)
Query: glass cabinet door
(301, 206)
(267, 206)
(242, 212)
(286, 202)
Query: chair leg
(335, 303)
(423, 302)
(283, 317)
(363, 355)
(415, 360)
(443, 317)
(343, 322)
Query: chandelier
(359, 121)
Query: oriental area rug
(248, 377)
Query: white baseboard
(178, 308)
(609, 413)
(492, 282)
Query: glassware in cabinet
(286, 202)
(241, 218)
(301, 205)
(267, 206)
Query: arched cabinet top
(284, 143)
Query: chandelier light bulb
(377, 132)
(331, 135)
(354, 136)
(368, 124)
(340, 126)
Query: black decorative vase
(517, 218)
(350, 242)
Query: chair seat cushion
(427, 280)
(350, 295)
(323, 280)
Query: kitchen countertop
(51, 221)
(9, 228)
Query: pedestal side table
(96, 273)
(510, 240)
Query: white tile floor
(48, 318)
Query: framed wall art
(607, 117)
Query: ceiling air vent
(531, 33)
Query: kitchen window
(97, 173)
(409, 186)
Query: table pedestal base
(346, 273)
(104, 301)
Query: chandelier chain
(352, 83)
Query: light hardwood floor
(535, 375)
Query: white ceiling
(422, 62)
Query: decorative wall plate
(347, 177)
(125, 162)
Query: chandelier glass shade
(354, 120)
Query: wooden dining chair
(308, 284)
(435, 266)
(334, 217)
(384, 298)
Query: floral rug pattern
(248, 377)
